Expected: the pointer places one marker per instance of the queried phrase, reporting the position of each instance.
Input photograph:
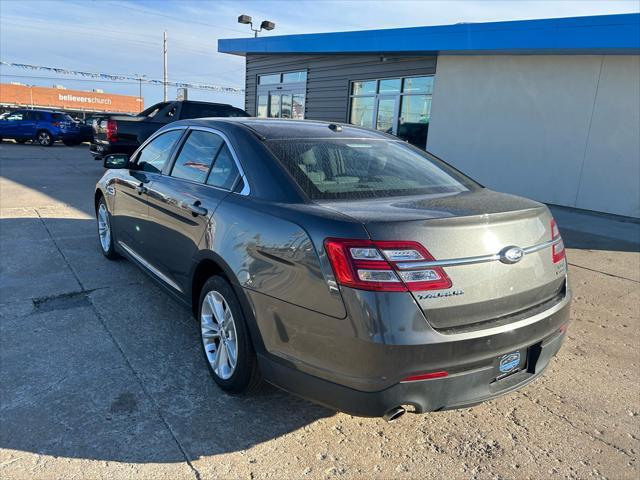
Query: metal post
(165, 77)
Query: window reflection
(286, 106)
(262, 105)
(415, 111)
(390, 85)
(401, 106)
(362, 111)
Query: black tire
(44, 138)
(246, 377)
(108, 251)
(21, 140)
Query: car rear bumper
(100, 150)
(470, 360)
(460, 390)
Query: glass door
(274, 105)
(387, 114)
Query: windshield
(365, 168)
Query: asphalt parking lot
(102, 376)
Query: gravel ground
(102, 376)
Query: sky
(125, 37)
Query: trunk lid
(456, 227)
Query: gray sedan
(339, 263)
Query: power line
(44, 77)
(119, 77)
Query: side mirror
(118, 160)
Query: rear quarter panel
(272, 254)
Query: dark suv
(339, 263)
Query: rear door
(183, 200)
(131, 212)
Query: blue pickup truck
(42, 127)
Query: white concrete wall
(562, 129)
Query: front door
(27, 127)
(182, 201)
(11, 124)
(131, 212)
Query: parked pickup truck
(124, 133)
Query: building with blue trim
(549, 108)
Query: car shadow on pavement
(98, 362)
(583, 241)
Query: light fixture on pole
(265, 25)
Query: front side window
(196, 156)
(364, 168)
(15, 117)
(155, 154)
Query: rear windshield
(365, 168)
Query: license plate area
(510, 364)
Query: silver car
(340, 264)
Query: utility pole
(140, 77)
(165, 77)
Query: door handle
(197, 209)
(141, 189)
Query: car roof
(283, 129)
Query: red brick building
(20, 96)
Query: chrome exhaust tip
(394, 414)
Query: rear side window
(196, 156)
(202, 110)
(155, 154)
(224, 171)
(365, 168)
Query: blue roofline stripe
(603, 33)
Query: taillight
(383, 265)
(111, 130)
(557, 249)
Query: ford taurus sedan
(340, 264)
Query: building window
(282, 95)
(400, 106)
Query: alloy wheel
(219, 335)
(104, 230)
(44, 138)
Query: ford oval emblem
(511, 255)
